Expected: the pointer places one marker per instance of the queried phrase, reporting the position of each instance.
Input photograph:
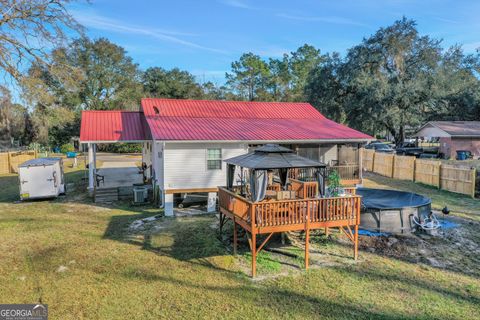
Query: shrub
(121, 147)
(67, 147)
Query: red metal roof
(229, 109)
(113, 126)
(182, 120)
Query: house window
(214, 159)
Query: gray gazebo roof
(272, 156)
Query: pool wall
(392, 211)
(392, 221)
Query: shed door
(39, 181)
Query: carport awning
(113, 126)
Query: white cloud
(236, 3)
(326, 19)
(99, 22)
(450, 21)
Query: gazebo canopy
(273, 156)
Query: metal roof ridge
(117, 111)
(227, 101)
(223, 117)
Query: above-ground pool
(392, 211)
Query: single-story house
(186, 141)
(453, 136)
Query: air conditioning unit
(139, 194)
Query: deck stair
(106, 195)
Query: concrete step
(106, 195)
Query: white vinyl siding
(185, 164)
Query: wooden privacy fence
(427, 172)
(453, 178)
(457, 179)
(404, 168)
(383, 164)
(367, 157)
(9, 161)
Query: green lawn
(82, 260)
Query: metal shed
(41, 178)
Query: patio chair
(99, 178)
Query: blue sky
(205, 36)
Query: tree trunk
(400, 135)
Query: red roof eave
(113, 126)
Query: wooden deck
(302, 214)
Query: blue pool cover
(362, 232)
(444, 224)
(380, 199)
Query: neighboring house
(453, 136)
(186, 141)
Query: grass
(460, 205)
(183, 271)
(265, 262)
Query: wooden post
(392, 174)
(360, 163)
(307, 235)
(254, 241)
(254, 254)
(474, 177)
(440, 176)
(355, 243)
(355, 236)
(234, 237)
(373, 161)
(220, 219)
(412, 177)
(9, 162)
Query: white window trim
(206, 159)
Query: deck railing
(343, 210)
(348, 173)
(234, 203)
(294, 212)
(304, 190)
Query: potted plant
(334, 187)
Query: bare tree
(5, 106)
(29, 29)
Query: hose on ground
(429, 223)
